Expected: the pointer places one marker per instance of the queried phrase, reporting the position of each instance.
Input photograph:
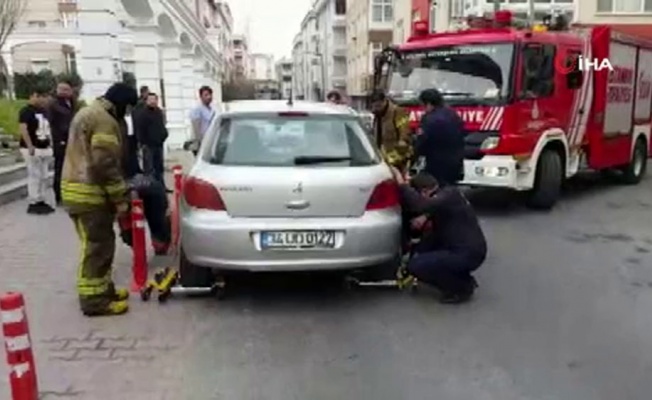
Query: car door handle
(297, 204)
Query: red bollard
(139, 262)
(18, 345)
(178, 187)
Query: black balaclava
(121, 96)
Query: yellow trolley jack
(166, 283)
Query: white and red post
(18, 346)
(178, 187)
(139, 243)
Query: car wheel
(191, 275)
(548, 181)
(635, 170)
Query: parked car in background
(288, 187)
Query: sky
(273, 23)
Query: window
(71, 62)
(457, 8)
(465, 75)
(340, 7)
(382, 11)
(624, 6)
(273, 141)
(538, 79)
(40, 65)
(69, 20)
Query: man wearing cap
(441, 142)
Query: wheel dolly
(166, 283)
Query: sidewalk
(134, 356)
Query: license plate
(297, 240)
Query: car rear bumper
(215, 240)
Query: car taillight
(203, 195)
(385, 195)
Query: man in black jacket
(152, 133)
(151, 191)
(441, 141)
(452, 243)
(60, 113)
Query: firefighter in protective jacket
(94, 192)
(392, 130)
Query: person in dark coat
(140, 106)
(151, 134)
(151, 191)
(60, 112)
(441, 142)
(452, 244)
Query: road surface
(564, 311)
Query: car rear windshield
(281, 141)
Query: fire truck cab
(539, 104)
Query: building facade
(284, 77)
(319, 51)
(402, 21)
(262, 67)
(241, 57)
(370, 26)
(165, 43)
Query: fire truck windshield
(466, 74)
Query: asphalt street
(564, 311)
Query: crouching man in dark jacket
(151, 191)
(452, 243)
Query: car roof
(278, 106)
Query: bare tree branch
(10, 13)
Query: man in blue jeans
(452, 243)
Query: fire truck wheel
(548, 181)
(191, 275)
(635, 170)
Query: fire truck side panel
(643, 102)
(611, 141)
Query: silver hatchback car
(287, 187)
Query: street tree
(10, 13)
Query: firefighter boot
(112, 308)
(118, 294)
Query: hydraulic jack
(166, 283)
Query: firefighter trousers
(94, 274)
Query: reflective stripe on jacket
(92, 173)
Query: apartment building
(633, 16)
(284, 76)
(319, 51)
(370, 26)
(307, 57)
(261, 67)
(241, 57)
(221, 36)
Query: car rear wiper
(308, 160)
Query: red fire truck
(539, 104)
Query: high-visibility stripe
(116, 188)
(103, 139)
(82, 188)
(12, 316)
(74, 198)
(18, 343)
(87, 286)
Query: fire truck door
(538, 102)
(574, 96)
